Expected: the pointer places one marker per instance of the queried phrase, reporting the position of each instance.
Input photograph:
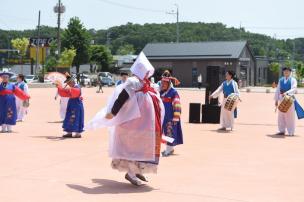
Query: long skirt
(8, 110)
(143, 167)
(74, 119)
(21, 111)
(174, 131)
(63, 107)
(287, 121)
(227, 117)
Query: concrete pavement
(250, 164)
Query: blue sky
(283, 19)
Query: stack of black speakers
(210, 110)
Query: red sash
(6, 92)
(147, 87)
(166, 99)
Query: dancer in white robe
(287, 85)
(227, 87)
(134, 115)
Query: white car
(85, 79)
(31, 78)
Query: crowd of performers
(135, 145)
(14, 100)
(284, 98)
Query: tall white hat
(142, 68)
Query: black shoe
(68, 135)
(132, 181)
(141, 177)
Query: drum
(286, 103)
(231, 102)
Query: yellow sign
(42, 53)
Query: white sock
(132, 175)
(9, 128)
(3, 127)
(169, 148)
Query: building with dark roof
(188, 60)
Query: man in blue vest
(287, 85)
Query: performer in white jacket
(135, 115)
(227, 87)
(21, 108)
(287, 85)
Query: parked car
(85, 80)
(105, 74)
(31, 78)
(107, 81)
(13, 79)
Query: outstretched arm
(293, 88)
(71, 92)
(120, 101)
(218, 91)
(20, 94)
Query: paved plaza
(250, 164)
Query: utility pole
(37, 45)
(108, 38)
(176, 13)
(240, 31)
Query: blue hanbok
(172, 124)
(74, 118)
(8, 110)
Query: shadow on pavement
(222, 131)
(276, 136)
(54, 138)
(55, 122)
(111, 187)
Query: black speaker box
(211, 113)
(195, 113)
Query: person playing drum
(287, 86)
(227, 87)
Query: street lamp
(176, 13)
(59, 9)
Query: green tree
(101, 56)
(76, 36)
(126, 49)
(300, 71)
(67, 57)
(275, 69)
(21, 44)
(50, 62)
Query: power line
(276, 28)
(132, 7)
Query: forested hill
(139, 35)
